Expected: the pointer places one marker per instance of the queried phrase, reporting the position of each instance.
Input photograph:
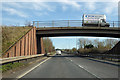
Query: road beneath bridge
(70, 66)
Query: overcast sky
(17, 13)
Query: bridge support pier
(40, 46)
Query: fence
(109, 57)
(71, 23)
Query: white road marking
(32, 69)
(83, 68)
(80, 66)
(88, 71)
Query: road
(69, 66)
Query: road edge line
(32, 69)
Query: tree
(89, 46)
(48, 45)
(101, 45)
(95, 42)
(74, 49)
(82, 42)
(110, 43)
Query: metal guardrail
(109, 57)
(17, 59)
(68, 23)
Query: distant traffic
(58, 52)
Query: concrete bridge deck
(79, 31)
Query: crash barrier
(110, 57)
(17, 59)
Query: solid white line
(32, 69)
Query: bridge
(31, 45)
(78, 31)
(75, 31)
(58, 28)
(73, 28)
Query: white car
(58, 52)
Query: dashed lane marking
(84, 69)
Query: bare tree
(83, 42)
(95, 43)
(48, 45)
(110, 43)
(101, 45)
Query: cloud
(110, 7)
(64, 8)
(74, 4)
(42, 6)
(59, 0)
(14, 12)
(90, 5)
(41, 14)
(31, 5)
(13, 4)
(23, 8)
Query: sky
(19, 12)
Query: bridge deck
(108, 28)
(79, 31)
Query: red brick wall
(27, 45)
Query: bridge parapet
(69, 23)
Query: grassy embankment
(11, 34)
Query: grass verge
(10, 66)
(11, 34)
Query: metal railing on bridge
(69, 23)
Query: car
(58, 52)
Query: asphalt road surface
(69, 66)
